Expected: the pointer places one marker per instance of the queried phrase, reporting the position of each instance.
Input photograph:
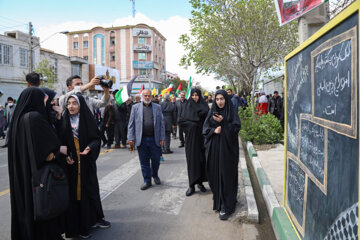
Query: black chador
(44, 141)
(192, 119)
(80, 131)
(222, 155)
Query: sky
(49, 17)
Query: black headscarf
(49, 110)
(195, 111)
(227, 111)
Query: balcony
(156, 65)
(142, 48)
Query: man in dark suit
(180, 106)
(146, 131)
(169, 113)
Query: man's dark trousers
(167, 140)
(148, 150)
(181, 135)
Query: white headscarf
(263, 98)
(75, 119)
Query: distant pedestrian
(234, 99)
(262, 105)
(192, 120)
(2, 121)
(46, 145)
(275, 105)
(33, 79)
(174, 130)
(169, 113)
(180, 107)
(121, 123)
(109, 119)
(80, 134)
(221, 129)
(146, 131)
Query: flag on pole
(170, 87)
(188, 89)
(154, 92)
(178, 90)
(142, 88)
(124, 93)
(163, 92)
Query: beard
(146, 101)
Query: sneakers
(122, 146)
(162, 159)
(85, 236)
(102, 223)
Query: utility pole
(31, 30)
(133, 8)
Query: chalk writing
(333, 58)
(330, 110)
(296, 189)
(335, 86)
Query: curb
(281, 224)
(253, 212)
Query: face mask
(10, 104)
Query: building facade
(14, 62)
(133, 50)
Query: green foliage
(265, 129)
(236, 39)
(44, 67)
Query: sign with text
(142, 48)
(143, 65)
(289, 10)
(142, 32)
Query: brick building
(133, 50)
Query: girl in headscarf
(80, 133)
(220, 130)
(192, 119)
(46, 145)
(261, 107)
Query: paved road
(162, 212)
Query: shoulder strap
(31, 150)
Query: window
(142, 71)
(56, 68)
(112, 56)
(86, 44)
(86, 57)
(76, 69)
(24, 57)
(156, 44)
(6, 54)
(112, 41)
(141, 40)
(76, 45)
(142, 56)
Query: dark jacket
(179, 107)
(275, 106)
(109, 115)
(169, 112)
(121, 113)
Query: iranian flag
(124, 93)
(142, 88)
(178, 90)
(169, 89)
(188, 89)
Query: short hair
(276, 92)
(33, 79)
(167, 96)
(10, 99)
(115, 91)
(229, 89)
(70, 79)
(182, 92)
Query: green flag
(188, 89)
(124, 93)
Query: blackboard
(321, 117)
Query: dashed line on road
(4, 192)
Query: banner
(289, 10)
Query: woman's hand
(86, 151)
(218, 118)
(58, 111)
(218, 130)
(69, 160)
(50, 157)
(63, 150)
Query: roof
(117, 28)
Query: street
(161, 212)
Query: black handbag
(50, 185)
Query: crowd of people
(270, 104)
(69, 131)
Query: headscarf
(263, 98)
(228, 110)
(49, 110)
(195, 111)
(75, 118)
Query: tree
(237, 40)
(46, 70)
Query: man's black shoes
(157, 180)
(167, 152)
(145, 185)
(181, 146)
(102, 223)
(190, 191)
(202, 188)
(223, 215)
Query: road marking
(106, 151)
(171, 198)
(4, 192)
(118, 177)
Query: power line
(7, 27)
(9, 19)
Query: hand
(107, 125)
(86, 151)
(218, 118)
(69, 160)
(50, 157)
(218, 130)
(95, 81)
(174, 126)
(57, 109)
(63, 150)
(162, 143)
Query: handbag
(50, 185)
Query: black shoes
(190, 191)
(102, 223)
(145, 185)
(157, 180)
(167, 152)
(85, 236)
(202, 187)
(181, 146)
(223, 215)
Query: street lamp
(62, 32)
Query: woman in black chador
(46, 145)
(193, 118)
(80, 133)
(220, 130)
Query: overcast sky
(49, 17)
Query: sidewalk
(268, 164)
